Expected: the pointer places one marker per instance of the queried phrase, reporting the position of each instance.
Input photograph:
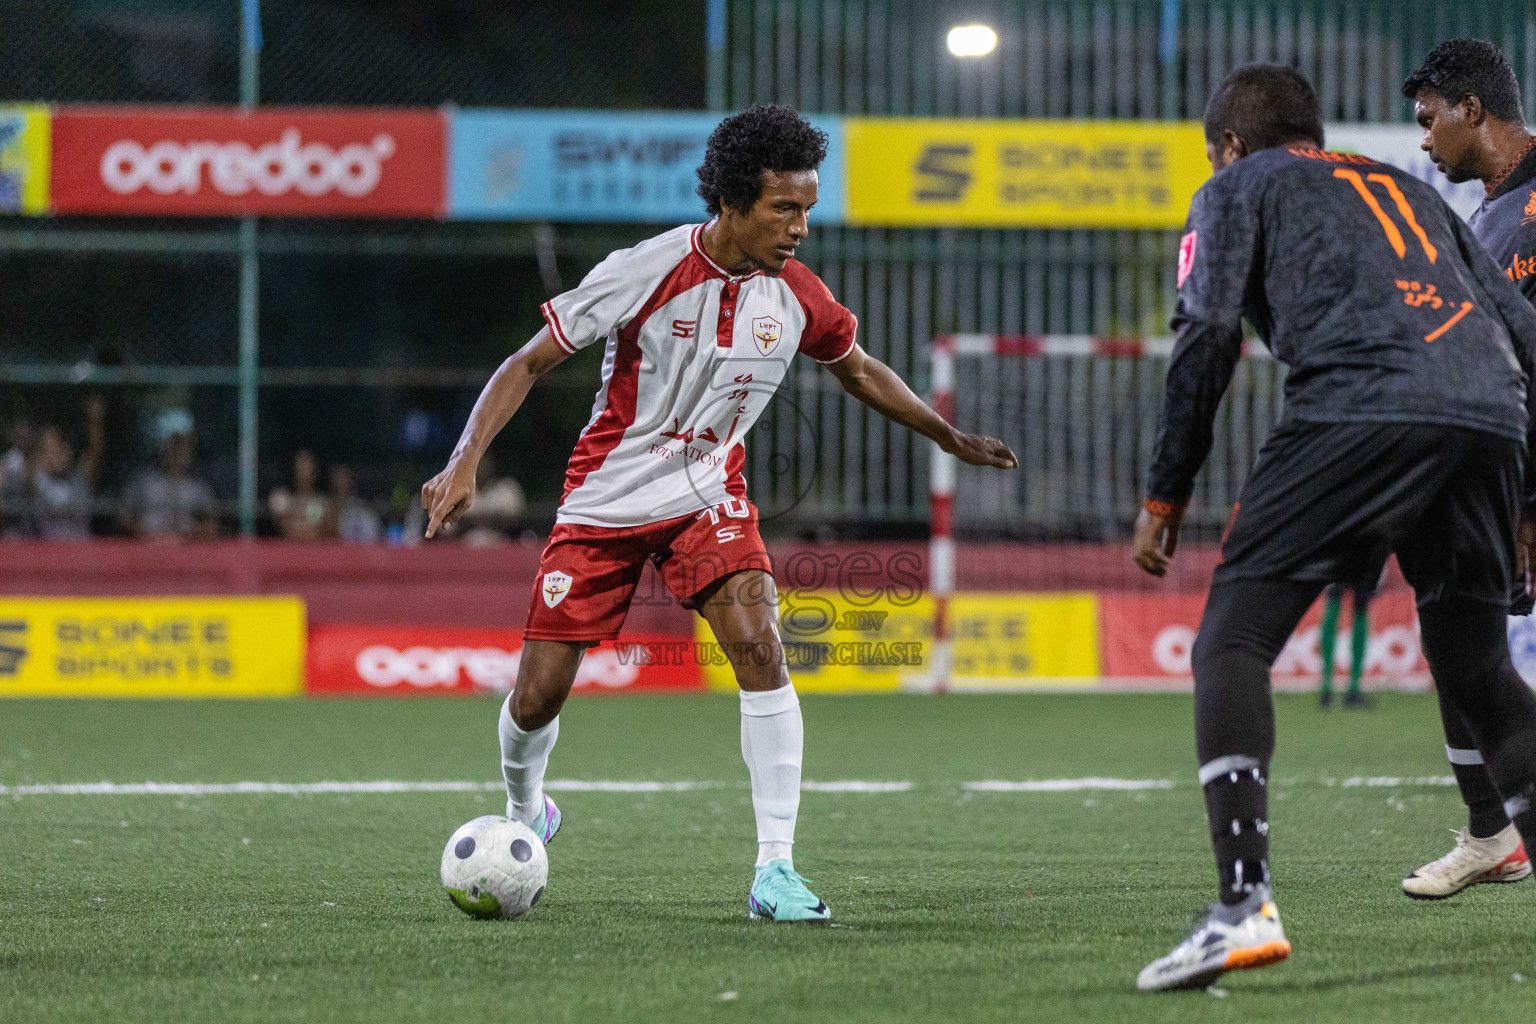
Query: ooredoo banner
(226, 162)
(1148, 640)
(419, 660)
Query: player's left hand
(981, 450)
(1157, 537)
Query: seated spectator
(63, 486)
(356, 521)
(167, 501)
(15, 476)
(498, 505)
(303, 513)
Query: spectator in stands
(498, 506)
(15, 474)
(63, 486)
(303, 513)
(167, 501)
(356, 521)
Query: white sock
(772, 742)
(524, 756)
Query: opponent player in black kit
(1467, 100)
(1405, 430)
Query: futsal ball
(494, 867)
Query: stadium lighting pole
(714, 53)
(250, 50)
(1168, 56)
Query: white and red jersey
(693, 357)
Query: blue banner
(608, 166)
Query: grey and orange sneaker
(1499, 858)
(1233, 938)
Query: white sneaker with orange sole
(1230, 938)
(1499, 858)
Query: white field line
(1393, 781)
(627, 786)
(1064, 785)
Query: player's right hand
(1525, 551)
(1156, 539)
(448, 495)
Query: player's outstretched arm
(448, 495)
(877, 386)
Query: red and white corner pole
(941, 542)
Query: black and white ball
(495, 867)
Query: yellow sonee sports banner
(25, 147)
(152, 647)
(1001, 641)
(914, 172)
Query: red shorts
(588, 574)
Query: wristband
(1165, 508)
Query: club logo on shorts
(1186, 258)
(556, 586)
(766, 331)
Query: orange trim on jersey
(1330, 156)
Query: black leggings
(1247, 623)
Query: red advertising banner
(276, 161)
(1148, 640)
(417, 660)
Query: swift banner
(584, 165)
(151, 647)
(1148, 640)
(993, 173)
(225, 162)
(24, 135)
(835, 644)
(418, 660)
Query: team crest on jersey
(1186, 258)
(556, 586)
(1530, 210)
(766, 331)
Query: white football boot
(1499, 858)
(1231, 938)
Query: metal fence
(365, 326)
(1110, 58)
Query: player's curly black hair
(1458, 68)
(1265, 105)
(744, 145)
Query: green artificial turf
(948, 905)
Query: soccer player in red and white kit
(700, 324)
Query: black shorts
(1330, 501)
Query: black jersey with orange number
(1364, 282)
(1505, 224)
